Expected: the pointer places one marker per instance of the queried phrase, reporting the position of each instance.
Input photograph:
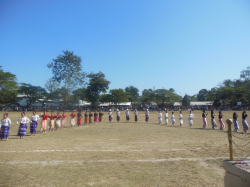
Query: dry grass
(117, 154)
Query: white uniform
(180, 118)
(35, 118)
(173, 118)
(5, 122)
(160, 117)
(166, 117)
(190, 119)
(24, 120)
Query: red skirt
(86, 121)
(95, 118)
(79, 121)
(100, 118)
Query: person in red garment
(52, 122)
(79, 119)
(44, 121)
(64, 120)
(58, 120)
(72, 120)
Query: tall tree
(67, 69)
(186, 100)
(32, 93)
(97, 85)
(8, 88)
(52, 86)
(134, 92)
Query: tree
(217, 103)
(8, 88)
(201, 96)
(52, 86)
(67, 69)
(134, 92)
(186, 100)
(171, 90)
(115, 96)
(32, 93)
(245, 74)
(165, 97)
(146, 92)
(119, 96)
(97, 85)
(79, 94)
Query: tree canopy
(134, 92)
(67, 69)
(8, 88)
(97, 85)
(32, 93)
(115, 96)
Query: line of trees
(70, 83)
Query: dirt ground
(118, 154)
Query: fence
(239, 143)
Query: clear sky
(186, 45)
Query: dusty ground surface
(117, 154)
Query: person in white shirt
(146, 115)
(110, 115)
(5, 127)
(160, 117)
(118, 113)
(127, 115)
(181, 119)
(34, 121)
(190, 119)
(22, 121)
(136, 113)
(166, 117)
(173, 118)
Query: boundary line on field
(93, 150)
(54, 162)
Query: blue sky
(185, 45)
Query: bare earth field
(117, 154)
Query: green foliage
(217, 103)
(79, 94)
(186, 100)
(67, 69)
(32, 93)
(115, 96)
(201, 96)
(8, 88)
(162, 97)
(134, 92)
(172, 90)
(97, 85)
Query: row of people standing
(222, 124)
(190, 118)
(56, 121)
(118, 115)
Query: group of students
(136, 115)
(222, 124)
(204, 118)
(59, 120)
